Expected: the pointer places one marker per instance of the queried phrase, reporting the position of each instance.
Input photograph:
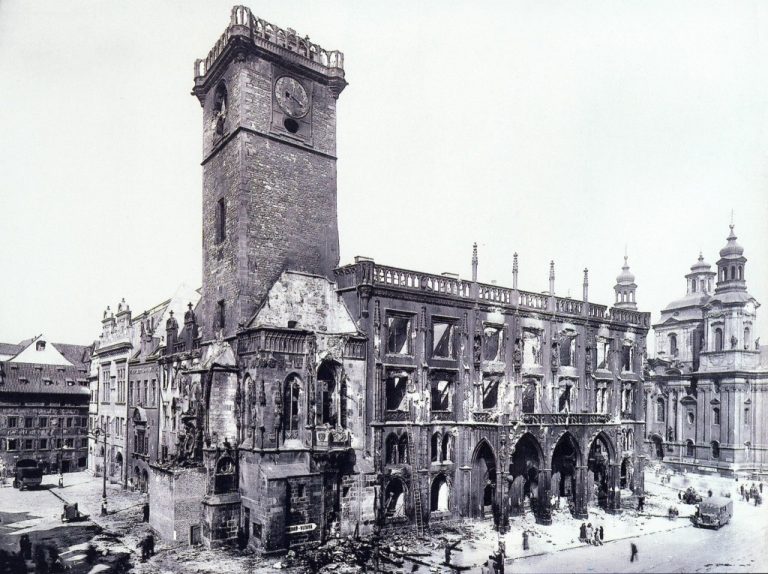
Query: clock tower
(269, 165)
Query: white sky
(561, 130)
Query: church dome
(732, 249)
(625, 277)
(700, 265)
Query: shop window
(442, 339)
(399, 334)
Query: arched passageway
(483, 494)
(565, 459)
(598, 465)
(524, 475)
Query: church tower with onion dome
(625, 288)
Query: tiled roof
(9, 349)
(49, 379)
(78, 355)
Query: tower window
(673, 345)
(718, 339)
(221, 220)
(693, 285)
(221, 315)
(733, 272)
(741, 273)
(746, 338)
(715, 446)
(716, 416)
(220, 109)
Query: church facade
(707, 388)
(315, 398)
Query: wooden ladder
(415, 483)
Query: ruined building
(322, 399)
(708, 386)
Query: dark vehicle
(713, 512)
(690, 496)
(28, 475)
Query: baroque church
(306, 398)
(707, 388)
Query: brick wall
(174, 498)
(280, 195)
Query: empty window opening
(490, 393)
(491, 343)
(221, 220)
(399, 335)
(396, 389)
(442, 395)
(442, 339)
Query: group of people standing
(753, 492)
(591, 535)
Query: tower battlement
(246, 29)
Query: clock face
(291, 97)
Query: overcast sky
(560, 130)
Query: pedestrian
(741, 489)
(633, 547)
(145, 511)
(583, 532)
(596, 539)
(590, 534)
(525, 540)
(680, 494)
(746, 495)
(640, 503)
(151, 544)
(709, 493)
(602, 533)
(143, 547)
(761, 488)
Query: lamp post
(60, 453)
(103, 470)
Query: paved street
(664, 545)
(37, 513)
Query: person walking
(525, 540)
(597, 541)
(709, 493)
(680, 494)
(633, 547)
(641, 503)
(761, 488)
(583, 532)
(590, 534)
(741, 490)
(602, 534)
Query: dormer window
(40, 346)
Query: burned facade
(707, 387)
(322, 399)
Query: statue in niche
(555, 358)
(588, 359)
(517, 355)
(477, 347)
(734, 341)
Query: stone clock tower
(269, 165)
